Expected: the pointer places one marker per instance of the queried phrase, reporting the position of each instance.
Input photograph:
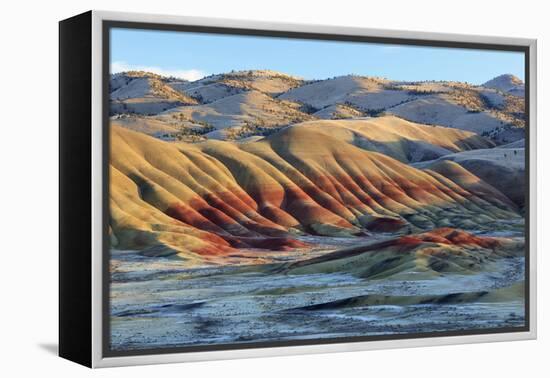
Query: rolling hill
(405, 141)
(292, 209)
(202, 201)
(503, 168)
(216, 87)
(249, 102)
(485, 110)
(362, 92)
(240, 115)
(144, 93)
(338, 111)
(422, 255)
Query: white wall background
(28, 185)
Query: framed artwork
(232, 189)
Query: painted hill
(429, 254)
(201, 201)
(144, 93)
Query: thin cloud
(191, 75)
(390, 48)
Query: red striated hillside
(210, 198)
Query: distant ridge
(253, 103)
(507, 83)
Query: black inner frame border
(107, 25)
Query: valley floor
(158, 303)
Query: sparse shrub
(374, 112)
(308, 109)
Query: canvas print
(278, 191)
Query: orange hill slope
(396, 137)
(210, 198)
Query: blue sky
(194, 55)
